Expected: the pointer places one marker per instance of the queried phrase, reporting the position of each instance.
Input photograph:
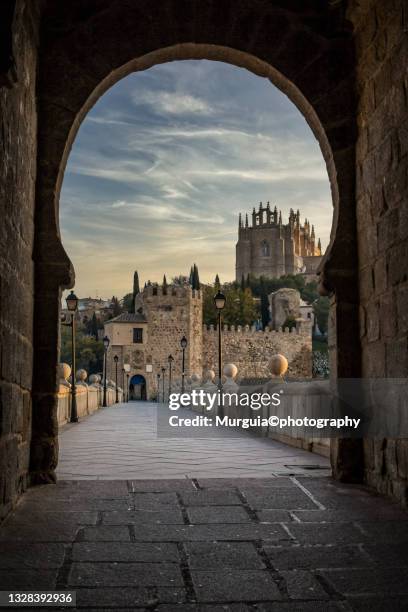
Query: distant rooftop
(129, 317)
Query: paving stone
(374, 513)
(303, 585)
(171, 515)
(210, 555)
(274, 516)
(387, 554)
(21, 555)
(326, 533)
(383, 532)
(125, 552)
(218, 514)
(125, 574)
(90, 489)
(26, 579)
(47, 527)
(210, 533)
(375, 580)
(228, 483)
(276, 498)
(104, 533)
(230, 607)
(148, 501)
(211, 497)
(312, 557)
(377, 604)
(240, 586)
(131, 597)
(304, 606)
(159, 486)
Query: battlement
(172, 291)
(303, 327)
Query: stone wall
(89, 400)
(170, 315)
(251, 350)
(382, 214)
(18, 128)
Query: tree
(195, 278)
(94, 327)
(116, 309)
(89, 352)
(217, 283)
(264, 310)
(128, 302)
(240, 307)
(191, 277)
(136, 290)
(243, 282)
(321, 310)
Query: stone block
(238, 585)
(125, 575)
(218, 514)
(125, 552)
(320, 557)
(232, 555)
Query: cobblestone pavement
(279, 544)
(122, 442)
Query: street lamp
(126, 368)
(105, 363)
(72, 305)
(163, 372)
(219, 302)
(170, 359)
(183, 344)
(123, 384)
(158, 388)
(116, 359)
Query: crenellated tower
(270, 248)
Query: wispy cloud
(165, 161)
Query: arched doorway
(137, 388)
(285, 45)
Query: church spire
(246, 219)
(240, 221)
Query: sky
(165, 161)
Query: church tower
(272, 249)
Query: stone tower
(268, 247)
(145, 338)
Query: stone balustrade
(89, 396)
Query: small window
(265, 250)
(138, 335)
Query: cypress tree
(164, 286)
(136, 290)
(94, 326)
(196, 278)
(191, 277)
(217, 283)
(243, 283)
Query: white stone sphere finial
(278, 365)
(64, 371)
(208, 376)
(81, 375)
(230, 370)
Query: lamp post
(126, 368)
(219, 302)
(170, 359)
(105, 363)
(183, 344)
(158, 388)
(116, 359)
(123, 385)
(163, 372)
(72, 305)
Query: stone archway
(307, 53)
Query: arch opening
(195, 51)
